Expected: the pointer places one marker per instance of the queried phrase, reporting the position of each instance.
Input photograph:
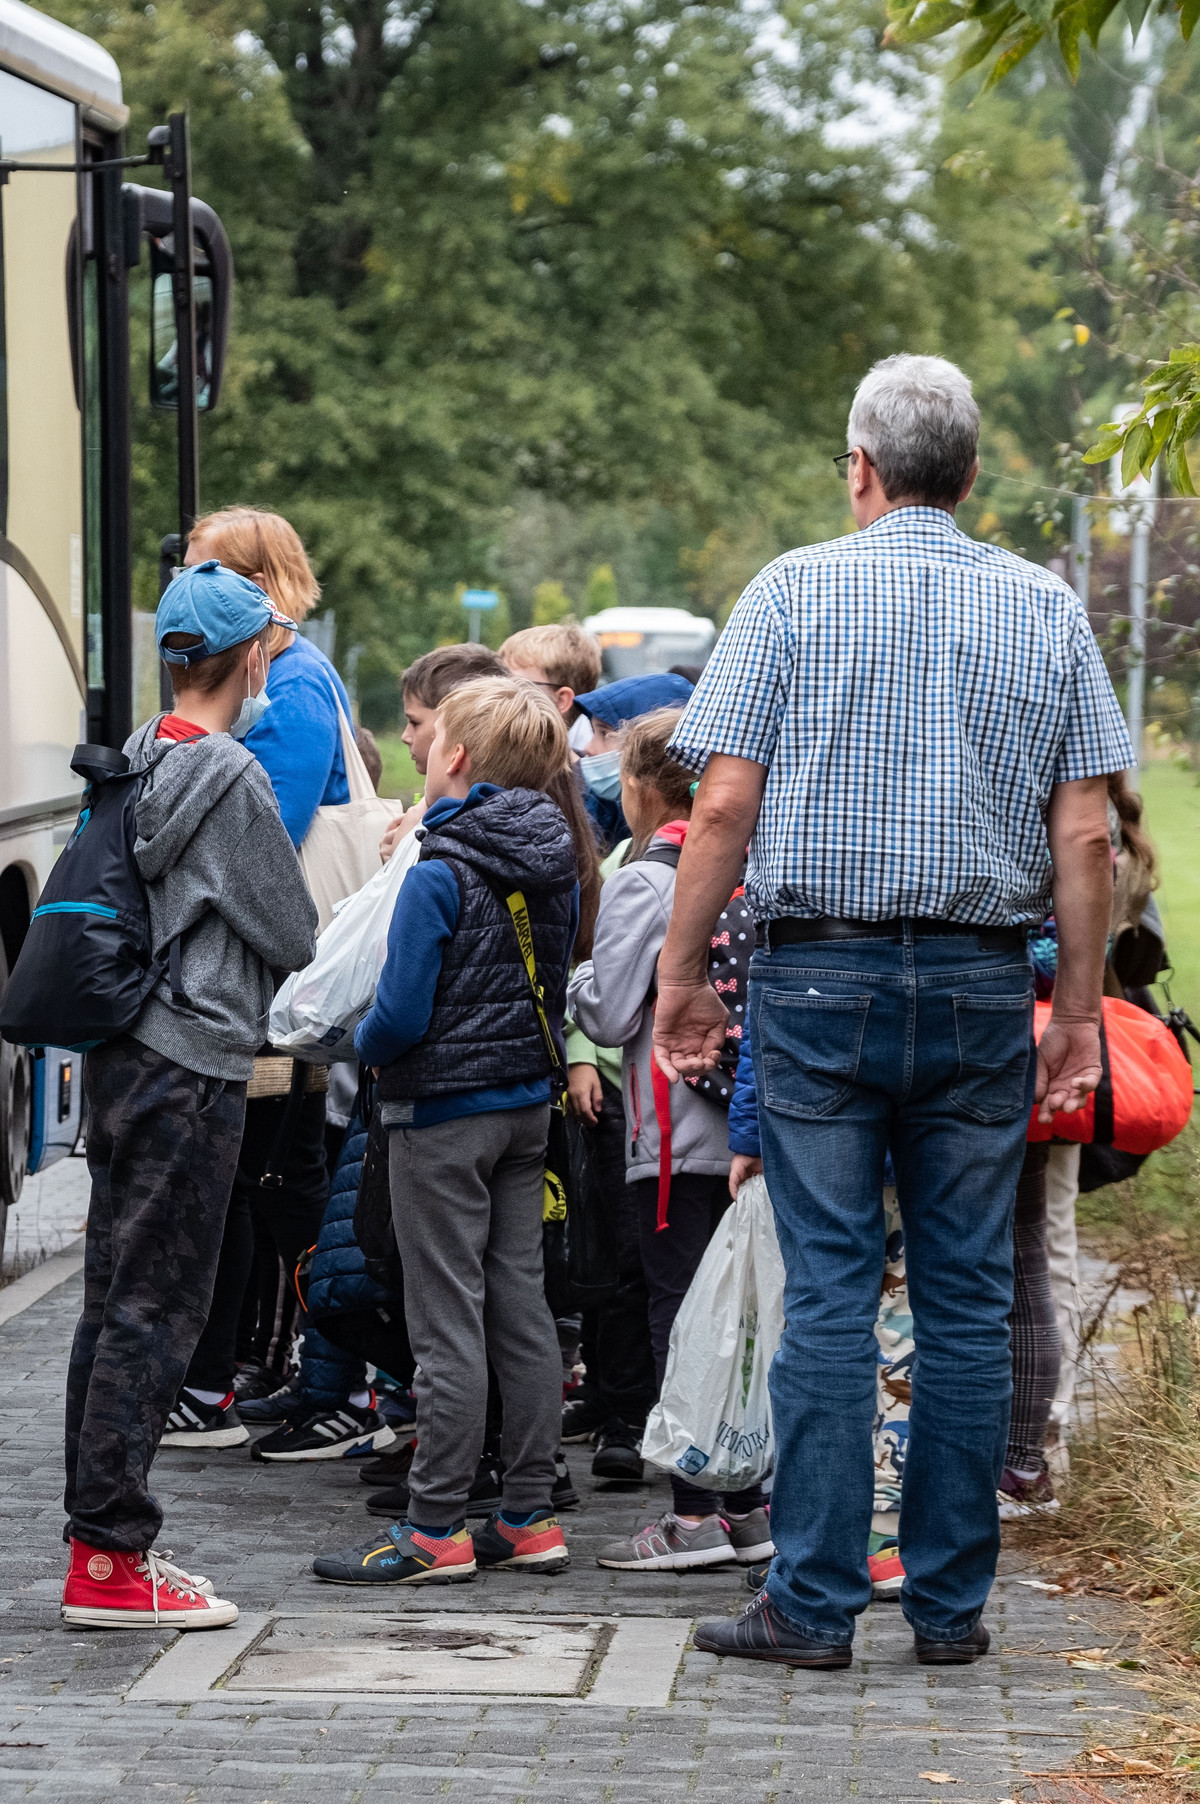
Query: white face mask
(579, 737)
(602, 774)
(251, 711)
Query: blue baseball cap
(217, 606)
(633, 696)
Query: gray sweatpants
(467, 1204)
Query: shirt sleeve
(425, 916)
(1096, 740)
(295, 742)
(737, 708)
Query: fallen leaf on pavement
(1038, 1585)
(939, 1778)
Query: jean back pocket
(994, 1035)
(810, 1047)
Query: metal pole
(1142, 513)
(1081, 549)
(474, 618)
(179, 174)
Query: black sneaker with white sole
(195, 1424)
(345, 1433)
(582, 1418)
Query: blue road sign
(480, 600)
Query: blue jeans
(922, 1045)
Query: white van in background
(638, 641)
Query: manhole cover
(508, 1654)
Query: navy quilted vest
(484, 1031)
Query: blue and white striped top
(915, 695)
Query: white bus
(70, 231)
(637, 641)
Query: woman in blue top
(298, 741)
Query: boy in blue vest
(167, 1099)
(464, 1089)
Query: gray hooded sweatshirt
(220, 871)
(610, 997)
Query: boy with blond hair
(563, 660)
(464, 1090)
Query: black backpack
(87, 963)
(730, 949)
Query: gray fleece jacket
(220, 871)
(609, 996)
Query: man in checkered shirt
(913, 732)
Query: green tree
(551, 603)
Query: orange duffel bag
(1144, 1097)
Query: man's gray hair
(916, 419)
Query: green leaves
(1167, 422)
(1010, 29)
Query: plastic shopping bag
(713, 1419)
(316, 1010)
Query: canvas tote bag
(340, 851)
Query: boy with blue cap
(166, 1100)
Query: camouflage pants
(894, 1333)
(162, 1149)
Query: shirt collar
(905, 519)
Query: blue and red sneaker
(402, 1555)
(536, 1545)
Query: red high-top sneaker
(135, 1591)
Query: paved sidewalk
(719, 1731)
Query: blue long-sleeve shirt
(424, 919)
(298, 741)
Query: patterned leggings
(1035, 1343)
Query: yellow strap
(519, 911)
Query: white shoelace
(195, 1581)
(160, 1572)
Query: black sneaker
(581, 1419)
(345, 1433)
(391, 1468)
(282, 1405)
(953, 1653)
(195, 1424)
(254, 1379)
(563, 1494)
(483, 1499)
(618, 1453)
(760, 1633)
(757, 1576)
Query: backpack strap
(281, 1146)
(518, 910)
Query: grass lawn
(399, 777)
(1173, 821)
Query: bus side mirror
(212, 291)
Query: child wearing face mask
(167, 1100)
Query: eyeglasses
(842, 465)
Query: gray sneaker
(670, 1546)
(751, 1538)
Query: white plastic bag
(316, 1010)
(713, 1419)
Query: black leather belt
(789, 930)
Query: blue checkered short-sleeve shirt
(915, 695)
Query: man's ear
(974, 472)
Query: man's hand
(397, 829)
(1068, 1067)
(690, 1026)
(1077, 831)
(585, 1098)
(742, 1168)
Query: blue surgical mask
(602, 774)
(250, 713)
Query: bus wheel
(16, 1117)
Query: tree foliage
(1005, 32)
(530, 287)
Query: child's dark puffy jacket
(346, 1306)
